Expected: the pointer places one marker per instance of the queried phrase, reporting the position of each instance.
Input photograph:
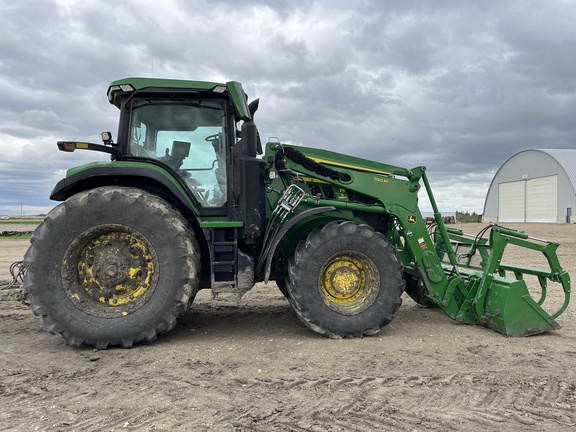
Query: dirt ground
(255, 367)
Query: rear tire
(111, 266)
(344, 280)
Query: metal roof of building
(566, 158)
(535, 163)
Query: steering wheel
(212, 138)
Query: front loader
(191, 200)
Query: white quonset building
(534, 186)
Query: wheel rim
(109, 271)
(350, 283)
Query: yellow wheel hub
(350, 283)
(116, 268)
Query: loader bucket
(494, 294)
(510, 310)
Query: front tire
(417, 291)
(344, 280)
(111, 266)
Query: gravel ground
(254, 367)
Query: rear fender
(156, 179)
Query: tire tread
(158, 209)
(298, 294)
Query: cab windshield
(187, 135)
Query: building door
(528, 200)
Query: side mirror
(253, 107)
(252, 135)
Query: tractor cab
(195, 140)
(187, 135)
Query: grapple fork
(494, 294)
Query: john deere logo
(411, 219)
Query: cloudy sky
(458, 86)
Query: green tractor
(190, 200)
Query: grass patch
(24, 235)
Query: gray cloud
(458, 86)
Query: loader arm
(469, 294)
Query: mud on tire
(111, 266)
(344, 280)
